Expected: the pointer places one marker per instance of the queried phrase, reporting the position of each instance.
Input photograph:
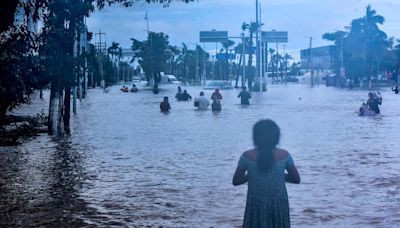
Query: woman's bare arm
(240, 176)
(293, 175)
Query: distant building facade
(319, 58)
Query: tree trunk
(250, 81)
(250, 65)
(67, 105)
(238, 71)
(60, 116)
(51, 126)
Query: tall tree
(252, 28)
(239, 49)
(226, 45)
(364, 46)
(115, 51)
(153, 55)
(62, 21)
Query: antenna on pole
(147, 21)
(310, 60)
(148, 31)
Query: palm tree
(271, 53)
(364, 46)
(174, 53)
(226, 45)
(339, 38)
(238, 49)
(285, 60)
(115, 51)
(252, 28)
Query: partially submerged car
(219, 85)
(169, 79)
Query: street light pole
(244, 60)
(261, 46)
(341, 49)
(257, 41)
(204, 63)
(197, 64)
(341, 46)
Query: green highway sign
(213, 36)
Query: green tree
(153, 55)
(115, 51)
(19, 71)
(62, 20)
(226, 45)
(364, 46)
(252, 28)
(239, 49)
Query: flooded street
(126, 164)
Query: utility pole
(277, 62)
(148, 30)
(204, 63)
(310, 60)
(213, 68)
(197, 64)
(257, 40)
(244, 60)
(147, 21)
(285, 57)
(341, 50)
(101, 49)
(260, 47)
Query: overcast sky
(182, 22)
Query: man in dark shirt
(185, 96)
(244, 96)
(178, 94)
(396, 89)
(164, 106)
(373, 104)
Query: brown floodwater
(126, 164)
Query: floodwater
(126, 164)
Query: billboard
(213, 36)
(274, 36)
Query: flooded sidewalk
(127, 164)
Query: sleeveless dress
(267, 203)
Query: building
(319, 58)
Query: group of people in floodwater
(201, 102)
(134, 89)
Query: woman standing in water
(264, 169)
(216, 97)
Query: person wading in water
(263, 168)
(216, 97)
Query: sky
(182, 22)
